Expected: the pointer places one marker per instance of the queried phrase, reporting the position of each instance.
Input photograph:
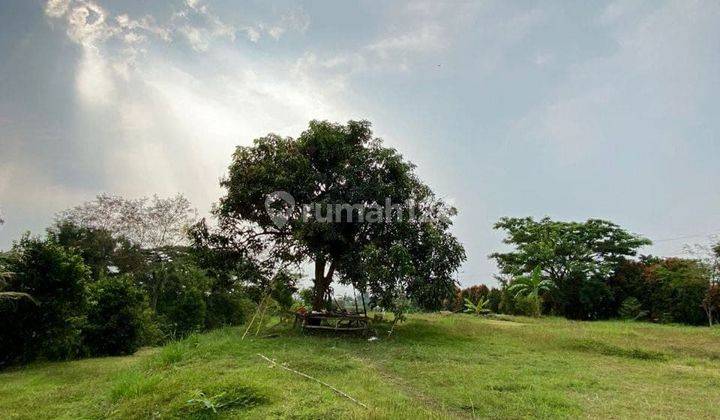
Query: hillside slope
(439, 366)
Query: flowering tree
(149, 222)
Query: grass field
(441, 366)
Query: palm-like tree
(531, 285)
(479, 308)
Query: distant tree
(333, 164)
(56, 278)
(148, 222)
(628, 280)
(594, 247)
(573, 255)
(711, 303)
(708, 255)
(675, 289)
(494, 298)
(102, 251)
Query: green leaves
(479, 308)
(332, 164)
(532, 285)
(594, 247)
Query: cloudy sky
(567, 109)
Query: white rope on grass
(274, 363)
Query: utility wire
(708, 235)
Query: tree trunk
(321, 283)
(709, 315)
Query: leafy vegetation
(481, 307)
(114, 275)
(56, 278)
(436, 366)
(335, 168)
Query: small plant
(207, 403)
(482, 307)
(235, 397)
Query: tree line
(114, 274)
(590, 270)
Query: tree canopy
(591, 248)
(348, 177)
(147, 222)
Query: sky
(571, 110)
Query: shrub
(56, 278)
(115, 318)
(677, 288)
(495, 297)
(283, 287)
(527, 305)
(181, 306)
(631, 308)
(227, 308)
(481, 307)
(306, 296)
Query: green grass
(435, 366)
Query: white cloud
(424, 39)
(87, 25)
(654, 82)
(252, 34)
(56, 8)
(169, 127)
(294, 20)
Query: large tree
(345, 178)
(147, 222)
(561, 249)
(578, 257)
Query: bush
(181, 306)
(527, 305)
(283, 287)
(306, 296)
(472, 293)
(227, 308)
(116, 317)
(495, 297)
(631, 308)
(55, 277)
(676, 288)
